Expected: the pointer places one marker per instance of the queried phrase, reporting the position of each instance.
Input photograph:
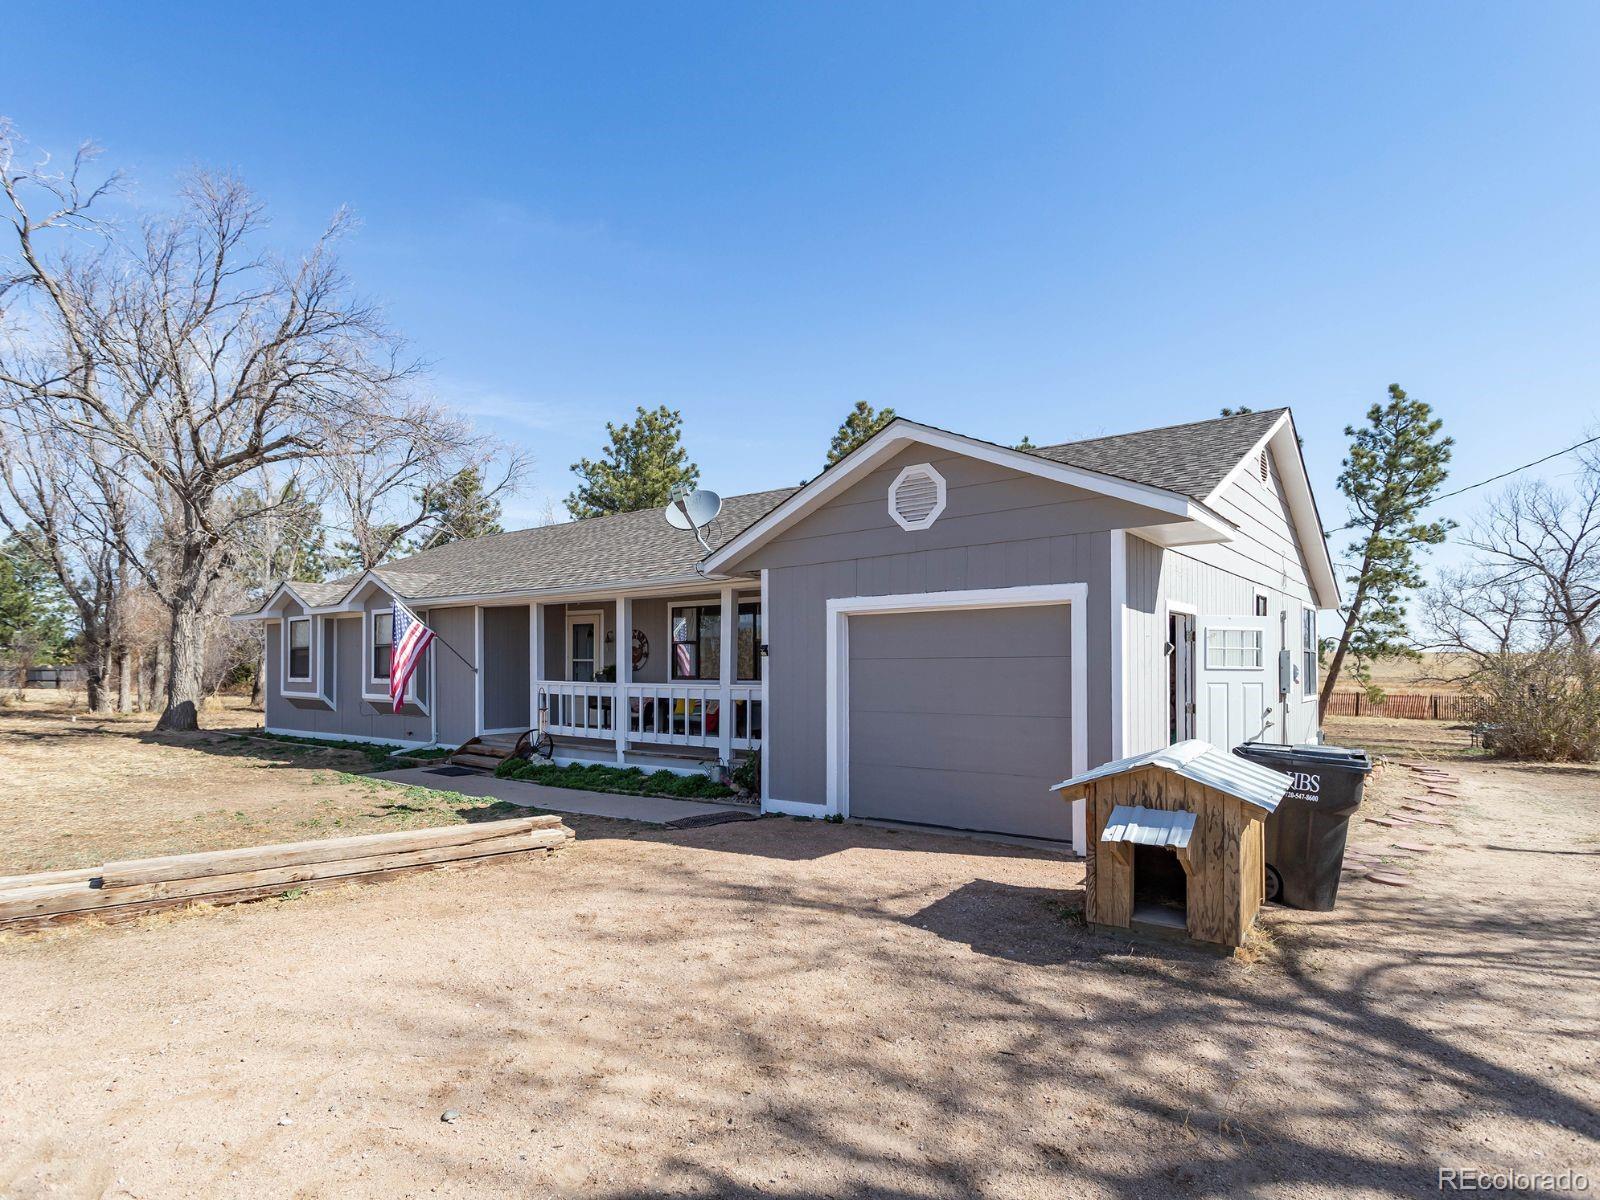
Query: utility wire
(1485, 482)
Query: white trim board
(900, 433)
(837, 690)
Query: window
(382, 644)
(1233, 649)
(300, 649)
(697, 641)
(1261, 604)
(1308, 651)
(747, 643)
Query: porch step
(481, 762)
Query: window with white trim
(1308, 650)
(382, 644)
(696, 634)
(747, 643)
(299, 650)
(1233, 649)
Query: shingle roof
(597, 551)
(1190, 459)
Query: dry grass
(1441, 673)
(79, 790)
(777, 1008)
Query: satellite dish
(694, 511)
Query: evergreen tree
(1025, 444)
(1396, 465)
(858, 427)
(640, 468)
(459, 510)
(34, 610)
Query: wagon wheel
(534, 743)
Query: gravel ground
(798, 1009)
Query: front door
(1235, 681)
(585, 636)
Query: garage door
(962, 718)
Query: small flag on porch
(411, 638)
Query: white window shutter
(916, 497)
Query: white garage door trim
(841, 608)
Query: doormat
(453, 772)
(700, 822)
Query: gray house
(935, 630)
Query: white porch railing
(690, 714)
(676, 714)
(578, 709)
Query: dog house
(1174, 841)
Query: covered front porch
(653, 679)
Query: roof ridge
(1221, 420)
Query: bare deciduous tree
(383, 492)
(198, 360)
(1526, 617)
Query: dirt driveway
(799, 1009)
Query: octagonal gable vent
(916, 498)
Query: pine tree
(1025, 444)
(459, 510)
(858, 427)
(34, 610)
(642, 466)
(1396, 465)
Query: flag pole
(453, 650)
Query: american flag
(411, 638)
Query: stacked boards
(126, 889)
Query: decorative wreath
(641, 649)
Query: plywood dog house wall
(1203, 807)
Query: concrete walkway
(653, 810)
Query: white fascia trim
(836, 692)
(671, 586)
(899, 433)
(1284, 446)
(345, 737)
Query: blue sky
(1058, 220)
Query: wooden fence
(1416, 706)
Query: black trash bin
(1306, 835)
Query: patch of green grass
(622, 781)
(376, 755)
(430, 755)
(413, 805)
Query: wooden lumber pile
(125, 889)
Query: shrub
(625, 781)
(1542, 706)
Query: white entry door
(1234, 673)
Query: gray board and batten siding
(1000, 529)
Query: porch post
(535, 663)
(619, 706)
(730, 621)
